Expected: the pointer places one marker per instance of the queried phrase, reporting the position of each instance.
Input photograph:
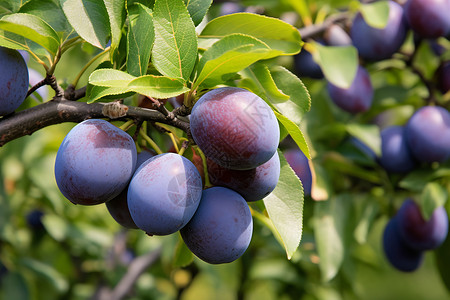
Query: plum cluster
(407, 235)
(163, 194)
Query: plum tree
(13, 80)
(118, 206)
(397, 252)
(299, 163)
(428, 134)
(164, 194)
(221, 229)
(253, 184)
(356, 98)
(395, 154)
(235, 128)
(305, 66)
(94, 162)
(376, 44)
(418, 233)
(428, 18)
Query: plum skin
(443, 77)
(418, 233)
(164, 194)
(380, 43)
(300, 164)
(356, 98)
(305, 66)
(235, 128)
(428, 18)
(94, 162)
(221, 229)
(253, 184)
(428, 134)
(397, 252)
(395, 154)
(118, 206)
(13, 81)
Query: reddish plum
(428, 18)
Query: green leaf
(47, 272)
(277, 34)
(291, 85)
(367, 134)
(417, 179)
(14, 286)
(183, 256)
(443, 260)
(339, 64)
(90, 20)
(175, 49)
(116, 14)
(110, 78)
(285, 207)
(140, 39)
(375, 14)
(158, 86)
(433, 196)
(329, 226)
(197, 9)
(100, 92)
(32, 28)
(295, 133)
(228, 56)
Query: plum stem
(150, 141)
(205, 167)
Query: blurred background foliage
(51, 249)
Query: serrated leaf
(158, 86)
(90, 20)
(295, 133)
(339, 64)
(141, 36)
(277, 34)
(175, 50)
(285, 207)
(116, 14)
(375, 14)
(197, 9)
(100, 92)
(110, 78)
(433, 196)
(227, 56)
(33, 28)
(369, 135)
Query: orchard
(170, 149)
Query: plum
(428, 18)
(380, 43)
(428, 134)
(253, 184)
(305, 66)
(356, 98)
(235, 128)
(395, 154)
(118, 206)
(335, 35)
(164, 194)
(221, 229)
(397, 252)
(418, 233)
(95, 162)
(13, 80)
(443, 77)
(300, 164)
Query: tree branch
(313, 30)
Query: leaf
(375, 14)
(227, 56)
(339, 64)
(285, 207)
(443, 261)
(90, 20)
(175, 49)
(295, 133)
(141, 36)
(47, 272)
(14, 286)
(32, 28)
(197, 9)
(277, 34)
(116, 14)
(100, 92)
(291, 85)
(417, 179)
(158, 86)
(110, 78)
(433, 196)
(369, 135)
(183, 256)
